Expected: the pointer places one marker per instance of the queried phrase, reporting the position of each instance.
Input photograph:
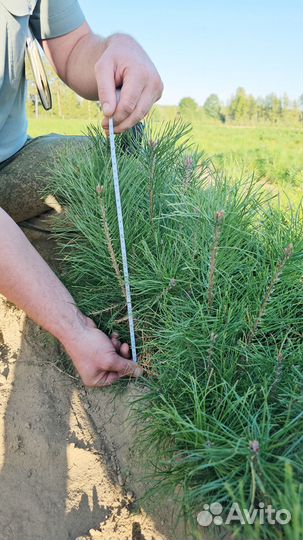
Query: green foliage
(273, 108)
(188, 105)
(212, 107)
(241, 106)
(216, 276)
(244, 108)
(188, 109)
(274, 154)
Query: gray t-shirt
(48, 19)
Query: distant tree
(285, 102)
(188, 107)
(300, 100)
(212, 106)
(272, 108)
(259, 108)
(252, 108)
(300, 108)
(239, 105)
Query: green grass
(46, 124)
(274, 154)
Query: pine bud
(220, 215)
(254, 446)
(99, 189)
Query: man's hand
(95, 67)
(125, 64)
(27, 281)
(100, 361)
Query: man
(93, 67)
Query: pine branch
(288, 251)
(153, 147)
(221, 419)
(279, 366)
(213, 338)
(100, 190)
(219, 217)
(189, 165)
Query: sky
(212, 46)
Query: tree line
(242, 108)
(245, 108)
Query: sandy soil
(66, 466)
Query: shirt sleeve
(54, 18)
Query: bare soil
(67, 470)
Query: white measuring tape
(122, 240)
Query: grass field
(45, 125)
(274, 154)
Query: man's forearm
(74, 56)
(80, 66)
(27, 281)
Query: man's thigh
(25, 175)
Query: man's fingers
(145, 103)
(125, 350)
(105, 76)
(116, 342)
(117, 368)
(107, 378)
(122, 349)
(130, 96)
(123, 366)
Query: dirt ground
(66, 466)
